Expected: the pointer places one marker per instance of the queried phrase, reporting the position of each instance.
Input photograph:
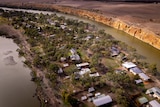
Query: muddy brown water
(16, 89)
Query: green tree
(152, 69)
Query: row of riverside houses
(153, 92)
(129, 66)
(135, 70)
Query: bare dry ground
(144, 15)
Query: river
(15, 80)
(16, 89)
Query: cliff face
(142, 34)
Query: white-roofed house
(154, 103)
(84, 71)
(102, 100)
(94, 74)
(154, 91)
(91, 89)
(85, 64)
(138, 81)
(128, 65)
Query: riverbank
(141, 25)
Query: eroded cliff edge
(140, 33)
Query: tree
(53, 67)
(152, 69)
(121, 98)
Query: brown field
(143, 15)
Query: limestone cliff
(142, 34)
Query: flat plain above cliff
(143, 15)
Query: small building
(63, 59)
(75, 57)
(60, 71)
(84, 71)
(138, 81)
(91, 89)
(65, 65)
(128, 65)
(143, 76)
(79, 66)
(154, 91)
(94, 74)
(102, 100)
(73, 51)
(83, 98)
(135, 70)
(114, 51)
(97, 94)
(143, 100)
(154, 103)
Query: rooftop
(143, 76)
(102, 100)
(154, 103)
(136, 70)
(143, 100)
(128, 65)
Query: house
(91, 89)
(102, 100)
(73, 51)
(75, 57)
(142, 100)
(154, 103)
(94, 74)
(63, 59)
(138, 81)
(83, 98)
(135, 70)
(97, 94)
(143, 76)
(81, 65)
(88, 37)
(65, 65)
(128, 65)
(154, 91)
(114, 51)
(84, 71)
(60, 71)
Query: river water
(16, 89)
